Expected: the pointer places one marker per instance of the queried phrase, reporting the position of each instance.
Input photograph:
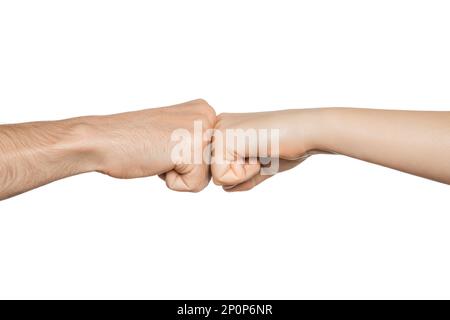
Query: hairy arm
(127, 145)
(34, 154)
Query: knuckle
(206, 111)
(227, 179)
(222, 116)
(217, 182)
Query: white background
(334, 227)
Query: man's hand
(140, 144)
(127, 145)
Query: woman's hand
(248, 148)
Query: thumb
(235, 172)
(187, 178)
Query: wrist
(306, 130)
(81, 143)
(318, 125)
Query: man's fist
(157, 141)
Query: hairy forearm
(411, 141)
(126, 145)
(34, 154)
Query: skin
(139, 144)
(128, 145)
(415, 142)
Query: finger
(234, 172)
(247, 185)
(193, 179)
(259, 178)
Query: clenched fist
(168, 142)
(145, 143)
(248, 148)
(417, 142)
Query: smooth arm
(417, 142)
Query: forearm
(34, 154)
(411, 141)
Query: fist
(248, 148)
(171, 142)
